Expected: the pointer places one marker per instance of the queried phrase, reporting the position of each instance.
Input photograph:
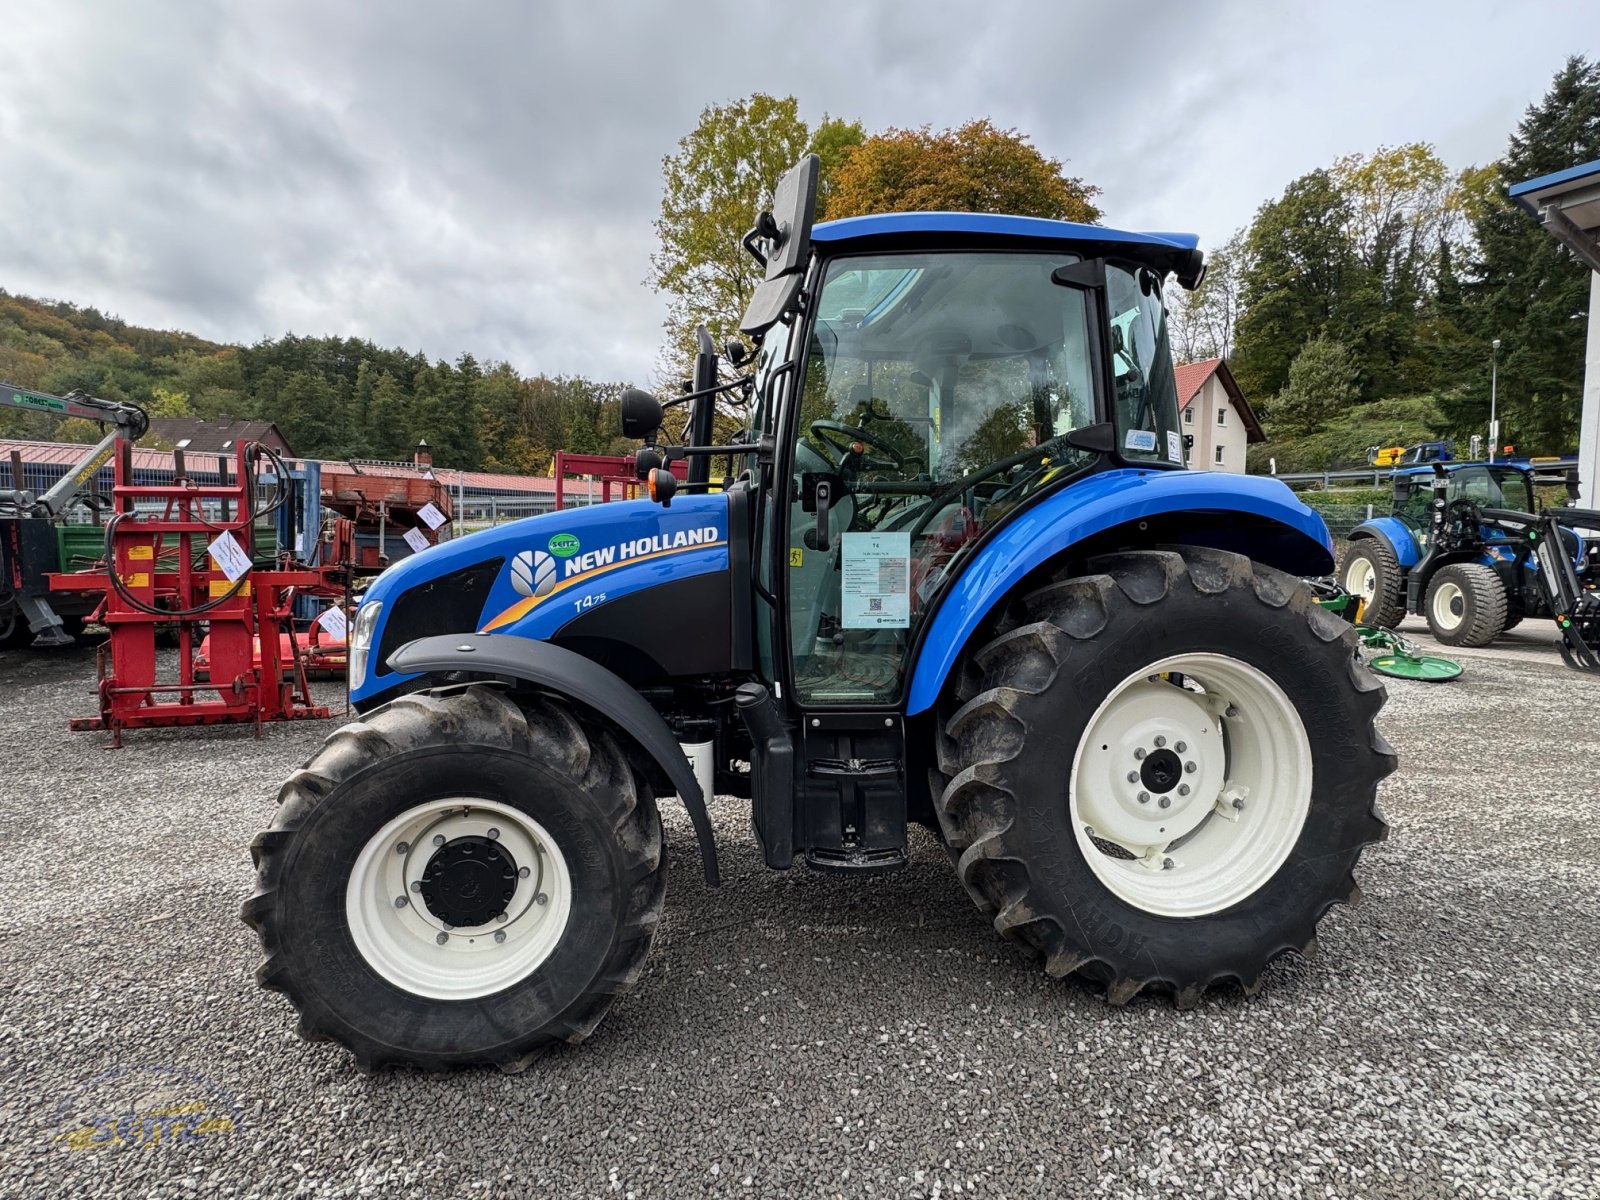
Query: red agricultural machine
(181, 560)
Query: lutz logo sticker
(535, 574)
(144, 1107)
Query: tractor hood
(535, 576)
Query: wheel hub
(469, 881)
(1161, 771)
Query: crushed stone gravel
(798, 1034)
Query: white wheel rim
(1239, 802)
(1361, 578)
(401, 941)
(1446, 596)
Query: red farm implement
(181, 556)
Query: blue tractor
(1464, 547)
(954, 574)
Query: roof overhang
(1567, 204)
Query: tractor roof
(900, 227)
(1521, 465)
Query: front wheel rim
(1191, 785)
(1449, 606)
(1361, 578)
(392, 921)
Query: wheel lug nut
(401, 902)
(1167, 864)
(1188, 768)
(402, 848)
(1230, 711)
(494, 835)
(1238, 802)
(442, 938)
(1183, 789)
(523, 872)
(1144, 797)
(1160, 741)
(416, 886)
(499, 935)
(1139, 753)
(1180, 747)
(500, 916)
(1165, 802)
(1133, 777)
(438, 839)
(541, 898)
(447, 924)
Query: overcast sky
(483, 176)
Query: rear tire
(1372, 572)
(1466, 605)
(551, 808)
(1073, 673)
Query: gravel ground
(803, 1035)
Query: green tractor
(955, 575)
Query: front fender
(1278, 530)
(559, 670)
(1396, 532)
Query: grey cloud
(483, 177)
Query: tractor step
(855, 862)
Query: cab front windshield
(938, 393)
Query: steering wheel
(851, 442)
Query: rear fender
(1247, 514)
(586, 683)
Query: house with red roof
(1216, 416)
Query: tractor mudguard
(1277, 530)
(565, 673)
(1397, 533)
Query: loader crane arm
(126, 421)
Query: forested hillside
(331, 397)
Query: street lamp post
(1494, 384)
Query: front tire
(1466, 605)
(1174, 869)
(457, 880)
(1372, 572)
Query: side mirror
(641, 414)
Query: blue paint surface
(1402, 540)
(830, 233)
(620, 548)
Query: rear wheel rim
(1449, 605)
(1233, 812)
(409, 945)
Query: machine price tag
(417, 540)
(334, 621)
(229, 556)
(431, 515)
(875, 571)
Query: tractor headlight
(361, 641)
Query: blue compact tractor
(954, 574)
(1465, 547)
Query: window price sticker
(430, 513)
(417, 540)
(230, 557)
(875, 575)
